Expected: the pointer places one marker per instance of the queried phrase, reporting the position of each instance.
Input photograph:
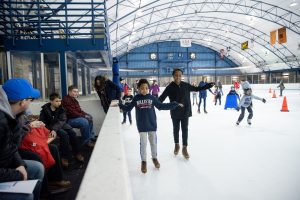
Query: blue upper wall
(170, 55)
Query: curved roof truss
(128, 29)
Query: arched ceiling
(217, 24)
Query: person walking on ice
(146, 120)
(246, 103)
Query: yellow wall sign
(244, 45)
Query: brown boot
(64, 163)
(90, 145)
(62, 183)
(185, 152)
(156, 163)
(144, 167)
(176, 150)
(80, 158)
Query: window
(170, 56)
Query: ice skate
(249, 121)
(156, 163)
(176, 149)
(185, 152)
(144, 167)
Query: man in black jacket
(179, 91)
(15, 98)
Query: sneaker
(249, 121)
(144, 167)
(237, 123)
(185, 152)
(64, 163)
(156, 163)
(123, 122)
(198, 111)
(130, 122)
(79, 157)
(205, 111)
(176, 149)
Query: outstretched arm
(165, 106)
(204, 87)
(129, 106)
(164, 95)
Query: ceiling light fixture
(293, 3)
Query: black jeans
(55, 172)
(184, 127)
(129, 116)
(250, 111)
(67, 137)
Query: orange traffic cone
(270, 90)
(284, 105)
(274, 94)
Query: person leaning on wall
(107, 91)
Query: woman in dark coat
(107, 91)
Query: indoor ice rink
(83, 57)
(226, 162)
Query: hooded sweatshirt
(10, 137)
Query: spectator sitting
(15, 97)
(77, 118)
(35, 141)
(55, 119)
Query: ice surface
(227, 162)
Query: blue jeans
(35, 170)
(204, 103)
(85, 126)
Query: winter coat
(56, 122)
(109, 92)
(281, 86)
(72, 107)
(181, 94)
(36, 141)
(154, 89)
(203, 93)
(246, 100)
(10, 137)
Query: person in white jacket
(246, 103)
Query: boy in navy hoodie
(146, 120)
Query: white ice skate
(249, 121)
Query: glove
(207, 86)
(263, 100)
(237, 109)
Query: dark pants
(250, 111)
(55, 173)
(218, 98)
(184, 128)
(67, 137)
(129, 116)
